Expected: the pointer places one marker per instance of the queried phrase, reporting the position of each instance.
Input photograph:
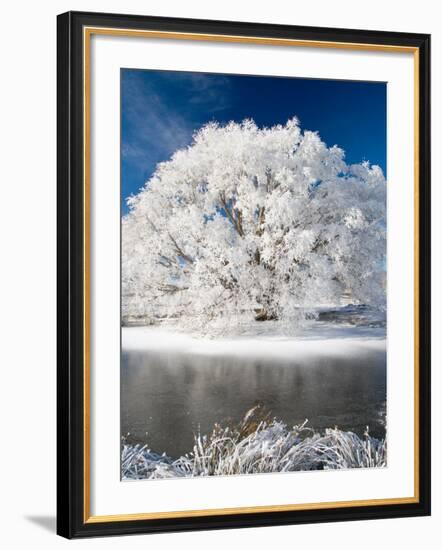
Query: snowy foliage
(253, 223)
(266, 446)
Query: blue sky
(160, 110)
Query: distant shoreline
(322, 340)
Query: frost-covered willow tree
(254, 223)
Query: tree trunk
(264, 315)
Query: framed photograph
(243, 274)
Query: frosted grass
(256, 445)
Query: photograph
(243, 274)
(218, 305)
(253, 274)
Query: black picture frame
(72, 521)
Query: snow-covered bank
(322, 340)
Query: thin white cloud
(154, 127)
(157, 128)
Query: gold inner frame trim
(87, 34)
